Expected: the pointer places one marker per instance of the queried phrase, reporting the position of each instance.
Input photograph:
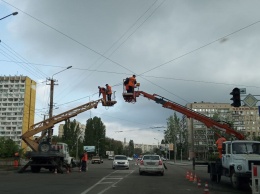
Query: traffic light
(236, 97)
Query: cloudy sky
(184, 50)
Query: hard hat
(106, 84)
(133, 75)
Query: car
(120, 161)
(129, 158)
(151, 164)
(95, 159)
(111, 157)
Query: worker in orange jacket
(84, 160)
(109, 92)
(131, 84)
(103, 92)
(219, 143)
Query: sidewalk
(9, 168)
(178, 162)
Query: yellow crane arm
(49, 123)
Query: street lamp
(77, 148)
(61, 71)
(14, 13)
(98, 144)
(51, 91)
(51, 99)
(166, 138)
(158, 141)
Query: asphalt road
(102, 179)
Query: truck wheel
(213, 177)
(235, 181)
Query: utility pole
(50, 131)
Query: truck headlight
(239, 167)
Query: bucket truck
(237, 155)
(46, 155)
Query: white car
(110, 157)
(151, 164)
(129, 158)
(120, 161)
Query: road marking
(110, 176)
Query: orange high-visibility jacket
(85, 157)
(220, 141)
(132, 81)
(102, 90)
(109, 89)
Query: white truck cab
(237, 158)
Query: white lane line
(105, 178)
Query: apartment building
(245, 120)
(17, 106)
(81, 133)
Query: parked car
(120, 161)
(95, 159)
(151, 164)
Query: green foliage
(7, 148)
(95, 135)
(70, 135)
(131, 148)
(56, 139)
(256, 138)
(138, 151)
(213, 156)
(177, 134)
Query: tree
(95, 134)
(56, 139)
(138, 151)
(70, 135)
(131, 148)
(173, 131)
(7, 147)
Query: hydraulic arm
(49, 123)
(209, 122)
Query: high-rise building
(17, 107)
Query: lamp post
(51, 98)
(14, 13)
(98, 144)
(77, 148)
(158, 141)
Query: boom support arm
(189, 113)
(49, 123)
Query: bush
(7, 148)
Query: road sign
(242, 90)
(250, 100)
